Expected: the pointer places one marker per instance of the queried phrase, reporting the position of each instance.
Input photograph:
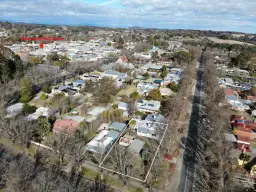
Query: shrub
(114, 106)
(43, 96)
(25, 99)
(139, 113)
(27, 109)
(174, 87)
(47, 89)
(132, 123)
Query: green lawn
(11, 145)
(89, 173)
(17, 148)
(113, 182)
(38, 102)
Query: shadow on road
(193, 147)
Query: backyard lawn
(37, 101)
(127, 91)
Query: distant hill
(136, 28)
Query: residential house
(136, 146)
(114, 135)
(96, 111)
(14, 110)
(150, 106)
(226, 82)
(116, 126)
(154, 118)
(40, 112)
(78, 119)
(123, 106)
(78, 83)
(232, 99)
(155, 67)
(114, 74)
(91, 76)
(66, 125)
(117, 76)
(148, 129)
(144, 88)
(122, 60)
(142, 55)
(245, 131)
(101, 143)
(158, 81)
(171, 78)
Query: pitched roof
(117, 126)
(14, 108)
(136, 146)
(122, 105)
(79, 81)
(115, 73)
(75, 118)
(65, 125)
(124, 59)
(232, 98)
(228, 92)
(113, 134)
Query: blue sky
(228, 15)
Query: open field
(216, 40)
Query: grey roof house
(123, 106)
(136, 146)
(116, 126)
(114, 74)
(148, 129)
(14, 110)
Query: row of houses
(74, 50)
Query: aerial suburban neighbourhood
(133, 109)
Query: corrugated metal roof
(117, 126)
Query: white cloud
(207, 14)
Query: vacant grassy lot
(37, 101)
(216, 40)
(128, 90)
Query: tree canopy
(183, 56)
(155, 94)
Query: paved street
(189, 157)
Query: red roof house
(65, 125)
(123, 59)
(228, 92)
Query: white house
(148, 129)
(14, 110)
(99, 144)
(150, 106)
(40, 112)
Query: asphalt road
(189, 157)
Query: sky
(218, 15)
